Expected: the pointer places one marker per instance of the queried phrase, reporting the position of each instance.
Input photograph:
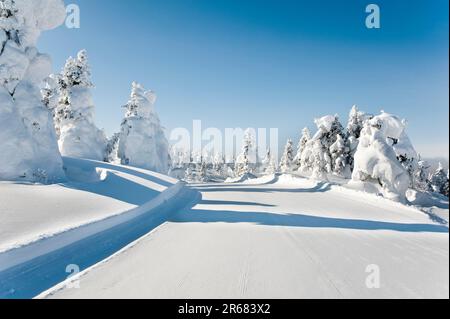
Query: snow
(29, 151)
(81, 138)
(241, 179)
(436, 205)
(74, 115)
(142, 142)
(376, 161)
(94, 192)
(325, 123)
(294, 238)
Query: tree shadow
(119, 188)
(85, 177)
(234, 203)
(319, 188)
(89, 164)
(299, 220)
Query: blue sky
(264, 63)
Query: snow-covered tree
(28, 148)
(189, 175)
(218, 162)
(354, 127)
(202, 171)
(340, 157)
(356, 122)
(376, 160)
(287, 159)
(142, 142)
(307, 158)
(320, 161)
(439, 181)
(112, 149)
(268, 164)
(74, 115)
(306, 137)
(447, 185)
(219, 166)
(420, 177)
(316, 156)
(50, 92)
(244, 164)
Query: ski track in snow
(273, 241)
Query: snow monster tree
(28, 148)
(74, 114)
(376, 159)
(142, 142)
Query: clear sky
(267, 63)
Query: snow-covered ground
(100, 210)
(286, 238)
(95, 191)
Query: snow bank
(435, 205)
(46, 218)
(241, 179)
(267, 179)
(29, 150)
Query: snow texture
(292, 239)
(74, 116)
(376, 159)
(142, 142)
(29, 150)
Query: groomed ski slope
(277, 240)
(98, 211)
(93, 192)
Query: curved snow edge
(17, 256)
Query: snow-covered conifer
(268, 164)
(189, 175)
(244, 164)
(50, 92)
(74, 115)
(340, 157)
(356, 122)
(287, 158)
(439, 181)
(354, 127)
(420, 177)
(29, 150)
(307, 158)
(202, 171)
(112, 149)
(320, 161)
(219, 166)
(447, 185)
(317, 151)
(142, 142)
(302, 144)
(376, 161)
